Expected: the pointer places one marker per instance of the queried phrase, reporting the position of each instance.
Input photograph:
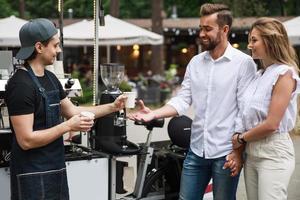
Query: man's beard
(211, 45)
(208, 46)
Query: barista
(36, 101)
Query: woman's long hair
(276, 41)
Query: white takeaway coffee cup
(130, 102)
(87, 114)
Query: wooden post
(157, 27)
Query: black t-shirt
(22, 96)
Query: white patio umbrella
(115, 32)
(293, 30)
(9, 31)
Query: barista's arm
(29, 139)
(69, 109)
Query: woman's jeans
(198, 171)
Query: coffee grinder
(110, 130)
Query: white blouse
(256, 99)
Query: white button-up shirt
(257, 98)
(214, 88)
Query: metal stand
(144, 162)
(112, 177)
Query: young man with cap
(36, 100)
(214, 83)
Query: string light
(136, 47)
(95, 67)
(184, 50)
(59, 6)
(136, 53)
(236, 45)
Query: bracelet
(236, 133)
(241, 139)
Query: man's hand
(143, 114)
(235, 161)
(80, 123)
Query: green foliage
(35, 9)
(135, 9)
(87, 91)
(6, 9)
(246, 8)
(171, 73)
(81, 8)
(125, 87)
(185, 8)
(293, 7)
(142, 8)
(87, 96)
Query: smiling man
(214, 82)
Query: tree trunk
(22, 8)
(157, 50)
(114, 10)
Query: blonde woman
(268, 113)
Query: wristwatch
(241, 139)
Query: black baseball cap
(36, 30)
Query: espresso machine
(110, 131)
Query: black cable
(101, 14)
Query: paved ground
(138, 134)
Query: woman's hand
(234, 161)
(235, 142)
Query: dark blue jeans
(198, 171)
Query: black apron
(40, 173)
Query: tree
(22, 8)
(6, 9)
(114, 8)
(157, 50)
(246, 8)
(142, 8)
(185, 8)
(81, 8)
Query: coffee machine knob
(119, 121)
(124, 142)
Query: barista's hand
(80, 123)
(143, 114)
(119, 103)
